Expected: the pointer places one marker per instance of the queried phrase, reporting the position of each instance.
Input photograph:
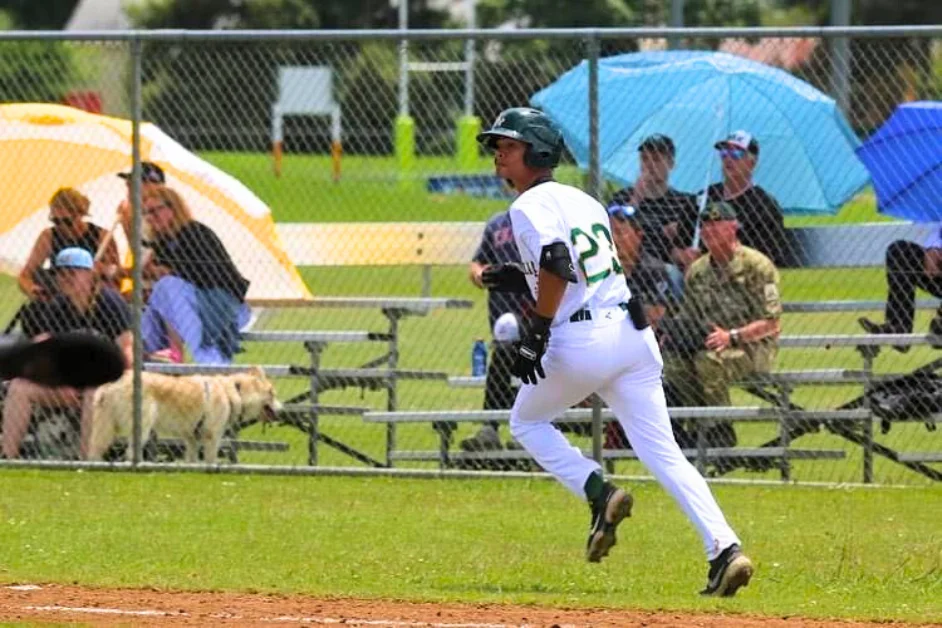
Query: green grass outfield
(877, 554)
(373, 189)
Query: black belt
(585, 314)
(581, 315)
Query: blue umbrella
(806, 158)
(904, 158)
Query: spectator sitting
(647, 277)
(68, 210)
(198, 294)
(909, 266)
(152, 176)
(80, 306)
(761, 223)
(497, 247)
(668, 217)
(736, 290)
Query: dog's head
(257, 395)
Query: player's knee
(518, 428)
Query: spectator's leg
(498, 395)
(153, 331)
(904, 272)
(682, 388)
(681, 375)
(174, 301)
(88, 402)
(717, 370)
(22, 395)
(676, 278)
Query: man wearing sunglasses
(761, 224)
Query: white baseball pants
(608, 356)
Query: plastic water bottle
(478, 358)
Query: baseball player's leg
(531, 424)
(637, 399)
(572, 373)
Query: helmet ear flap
(540, 158)
(544, 148)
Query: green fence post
(405, 149)
(467, 143)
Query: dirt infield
(136, 607)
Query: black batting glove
(505, 278)
(530, 350)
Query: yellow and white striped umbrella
(45, 147)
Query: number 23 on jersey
(597, 256)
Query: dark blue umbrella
(904, 158)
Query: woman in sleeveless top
(68, 212)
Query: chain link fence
(312, 203)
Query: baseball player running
(588, 336)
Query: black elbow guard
(554, 258)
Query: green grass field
(373, 189)
(877, 554)
(821, 552)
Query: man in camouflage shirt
(734, 290)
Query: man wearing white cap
(83, 306)
(761, 224)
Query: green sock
(594, 487)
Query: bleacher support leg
(702, 427)
(785, 432)
(597, 430)
(392, 360)
(868, 426)
(315, 349)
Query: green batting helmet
(532, 127)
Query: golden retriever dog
(194, 408)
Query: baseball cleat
(728, 572)
(615, 506)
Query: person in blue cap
(83, 304)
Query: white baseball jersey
(553, 212)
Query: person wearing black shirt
(83, 304)
(68, 213)
(761, 223)
(909, 266)
(667, 216)
(198, 294)
(647, 277)
(497, 247)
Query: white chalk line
(94, 610)
(391, 623)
